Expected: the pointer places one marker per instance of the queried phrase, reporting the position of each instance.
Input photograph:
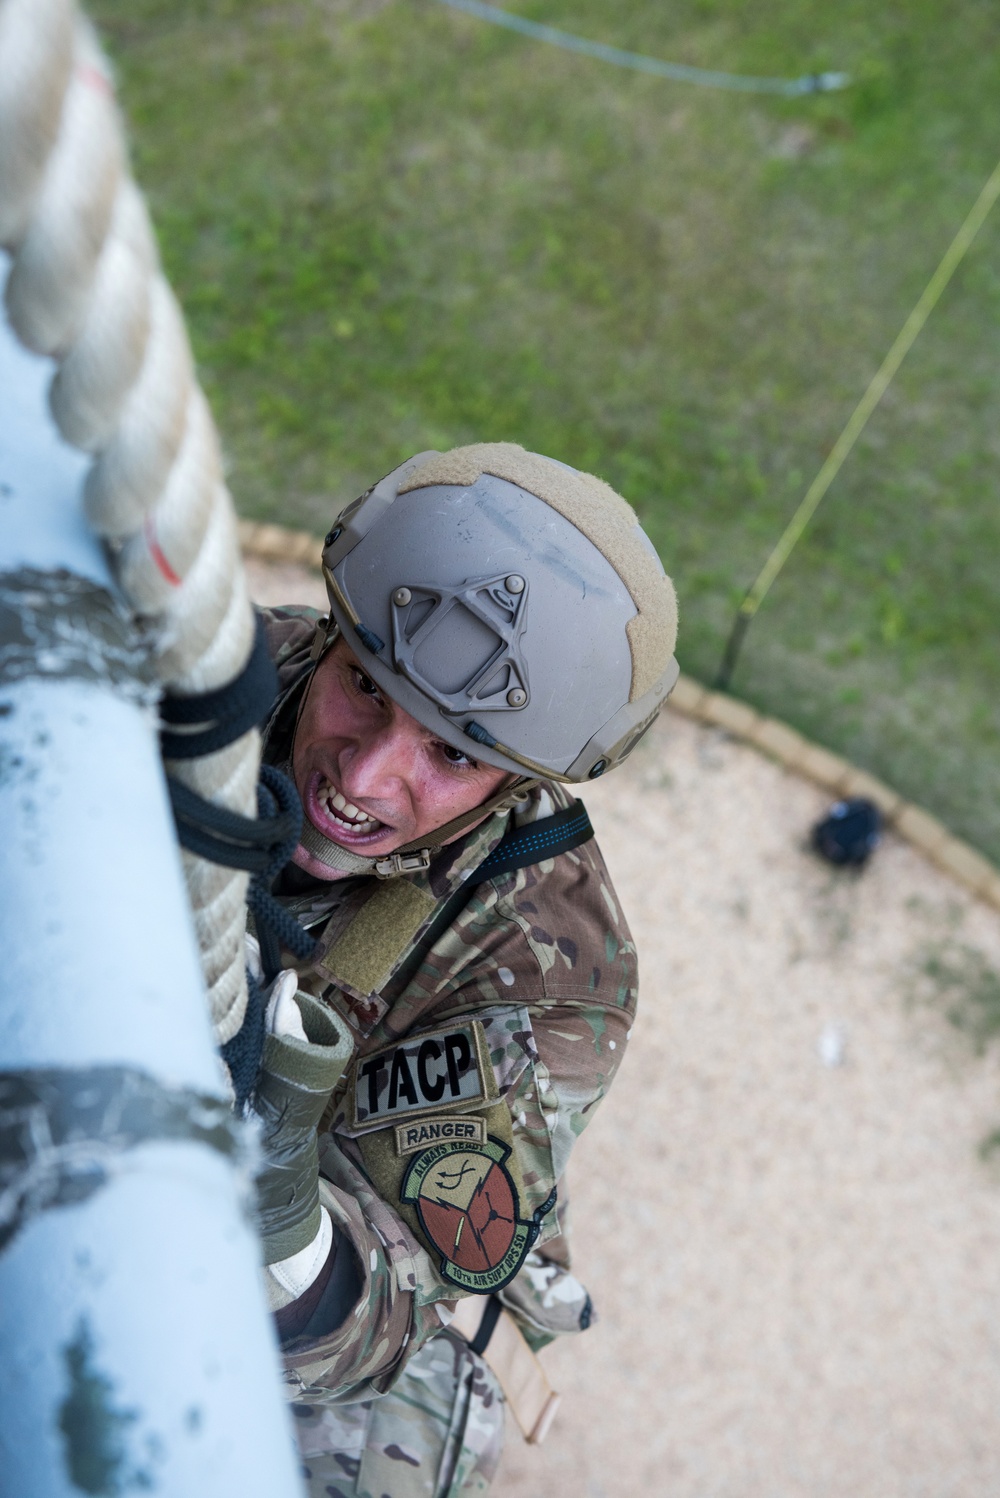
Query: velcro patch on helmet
(602, 515)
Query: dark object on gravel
(849, 833)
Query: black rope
(262, 845)
(277, 802)
(226, 713)
(222, 836)
(242, 1054)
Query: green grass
(393, 227)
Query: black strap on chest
(523, 846)
(491, 1315)
(517, 849)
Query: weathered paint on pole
(136, 1352)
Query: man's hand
(305, 1054)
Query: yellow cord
(859, 419)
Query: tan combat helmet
(509, 603)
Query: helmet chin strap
(331, 855)
(413, 857)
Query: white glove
(289, 1278)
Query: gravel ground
(780, 1211)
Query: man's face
(371, 777)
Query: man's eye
(456, 757)
(365, 684)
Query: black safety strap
(517, 849)
(491, 1315)
(523, 846)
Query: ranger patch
(469, 1208)
(439, 1072)
(417, 1136)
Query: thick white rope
(86, 288)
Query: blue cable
(813, 83)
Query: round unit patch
(469, 1208)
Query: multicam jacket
(481, 1056)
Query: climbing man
(499, 629)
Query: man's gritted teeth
(338, 818)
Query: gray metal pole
(136, 1352)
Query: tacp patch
(437, 1072)
(425, 1131)
(470, 1211)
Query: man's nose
(376, 764)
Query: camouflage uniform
(542, 959)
